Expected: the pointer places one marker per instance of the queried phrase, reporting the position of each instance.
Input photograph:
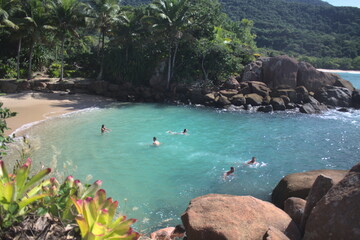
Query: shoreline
(35, 107)
(338, 71)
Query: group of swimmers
(232, 169)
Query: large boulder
(232, 83)
(295, 207)
(356, 98)
(334, 96)
(313, 106)
(238, 100)
(299, 184)
(253, 71)
(259, 88)
(313, 79)
(278, 104)
(254, 99)
(226, 217)
(337, 214)
(280, 71)
(320, 187)
(274, 234)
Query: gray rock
(278, 104)
(281, 70)
(334, 96)
(295, 207)
(356, 98)
(320, 187)
(299, 184)
(337, 214)
(265, 109)
(313, 107)
(253, 99)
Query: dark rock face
(274, 234)
(314, 80)
(9, 87)
(254, 99)
(265, 109)
(238, 100)
(281, 70)
(356, 98)
(253, 71)
(226, 217)
(313, 106)
(295, 207)
(337, 214)
(334, 96)
(278, 104)
(232, 83)
(299, 184)
(320, 187)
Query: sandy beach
(35, 106)
(339, 71)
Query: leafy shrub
(8, 68)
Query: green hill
(298, 27)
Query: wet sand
(35, 106)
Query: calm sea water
(155, 184)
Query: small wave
(257, 165)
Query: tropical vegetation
(102, 39)
(312, 30)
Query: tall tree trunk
(169, 69)
(62, 59)
(173, 60)
(203, 68)
(30, 61)
(18, 60)
(102, 57)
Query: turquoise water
(354, 78)
(155, 184)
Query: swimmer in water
(104, 129)
(230, 172)
(252, 161)
(155, 142)
(183, 132)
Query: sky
(349, 3)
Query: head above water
(232, 169)
(154, 139)
(185, 130)
(102, 126)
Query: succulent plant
(18, 190)
(96, 219)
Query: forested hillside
(328, 36)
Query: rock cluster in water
(322, 204)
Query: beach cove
(155, 185)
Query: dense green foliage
(328, 36)
(104, 40)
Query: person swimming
(104, 129)
(184, 132)
(155, 142)
(252, 161)
(230, 172)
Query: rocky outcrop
(253, 71)
(274, 234)
(313, 106)
(356, 98)
(299, 184)
(226, 217)
(320, 187)
(334, 96)
(280, 71)
(295, 207)
(337, 214)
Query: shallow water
(155, 184)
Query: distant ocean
(155, 184)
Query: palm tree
(67, 16)
(171, 20)
(6, 8)
(103, 15)
(34, 24)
